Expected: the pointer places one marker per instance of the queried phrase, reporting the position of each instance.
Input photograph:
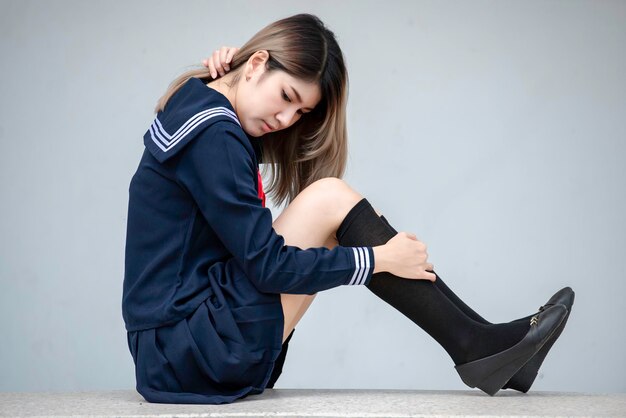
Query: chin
(255, 133)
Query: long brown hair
(316, 146)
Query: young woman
(213, 288)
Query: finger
(223, 54)
(205, 62)
(212, 69)
(231, 54)
(217, 62)
(429, 267)
(427, 276)
(215, 59)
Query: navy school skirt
(228, 348)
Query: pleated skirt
(225, 350)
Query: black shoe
(491, 373)
(524, 378)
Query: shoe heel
(482, 375)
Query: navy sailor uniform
(204, 268)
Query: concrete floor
(322, 403)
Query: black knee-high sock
(464, 338)
(452, 296)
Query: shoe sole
(505, 364)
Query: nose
(286, 118)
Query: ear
(256, 64)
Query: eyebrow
(295, 92)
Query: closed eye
(299, 111)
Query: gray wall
(494, 130)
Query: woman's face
(272, 101)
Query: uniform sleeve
(219, 172)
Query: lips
(267, 127)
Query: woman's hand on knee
(404, 256)
(219, 61)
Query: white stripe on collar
(167, 141)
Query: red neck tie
(261, 193)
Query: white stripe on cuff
(362, 263)
(367, 265)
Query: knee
(329, 185)
(333, 193)
(332, 190)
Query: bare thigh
(311, 220)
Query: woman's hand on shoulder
(219, 62)
(404, 256)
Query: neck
(226, 86)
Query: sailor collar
(188, 112)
